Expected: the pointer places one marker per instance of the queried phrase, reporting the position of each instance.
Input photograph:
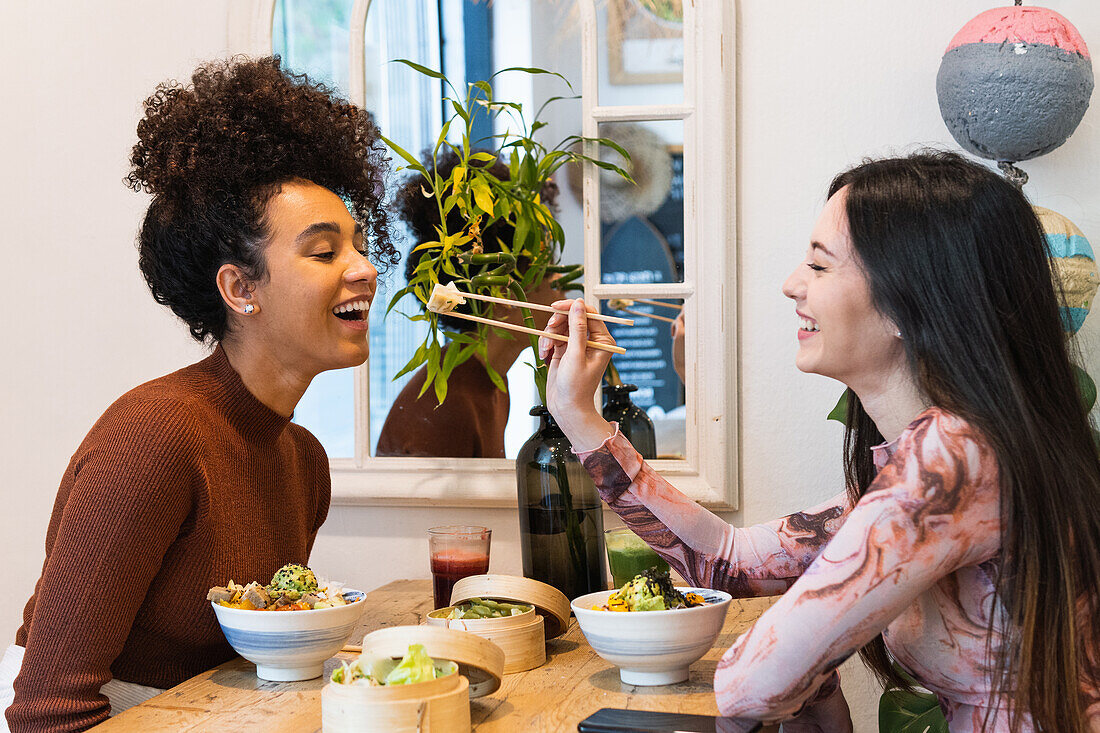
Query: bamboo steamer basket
(438, 706)
(522, 637)
(549, 602)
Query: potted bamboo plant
(496, 183)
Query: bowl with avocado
(652, 631)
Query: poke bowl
(288, 641)
(652, 647)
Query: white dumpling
(444, 298)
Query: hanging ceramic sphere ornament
(1014, 84)
(1074, 266)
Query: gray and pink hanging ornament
(1014, 84)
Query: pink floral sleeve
(932, 509)
(706, 551)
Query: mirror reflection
(477, 419)
(471, 421)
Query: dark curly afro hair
(421, 214)
(214, 152)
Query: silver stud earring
(249, 309)
(897, 334)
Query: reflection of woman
(199, 476)
(470, 423)
(967, 547)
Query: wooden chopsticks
(543, 308)
(532, 331)
(643, 314)
(445, 297)
(673, 306)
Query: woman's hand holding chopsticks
(575, 373)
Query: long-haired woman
(266, 200)
(966, 549)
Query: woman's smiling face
(312, 305)
(841, 334)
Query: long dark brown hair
(956, 257)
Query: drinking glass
(457, 552)
(628, 555)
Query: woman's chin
(351, 355)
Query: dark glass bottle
(560, 515)
(634, 424)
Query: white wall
(79, 325)
(821, 85)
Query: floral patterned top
(916, 559)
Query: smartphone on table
(618, 720)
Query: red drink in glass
(451, 566)
(456, 552)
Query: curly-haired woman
(266, 200)
(966, 549)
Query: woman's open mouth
(354, 314)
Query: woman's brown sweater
(184, 483)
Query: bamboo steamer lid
(522, 637)
(479, 660)
(438, 706)
(548, 601)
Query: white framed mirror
(659, 73)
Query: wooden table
(572, 684)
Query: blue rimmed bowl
(287, 646)
(652, 647)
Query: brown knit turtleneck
(185, 482)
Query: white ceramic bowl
(287, 646)
(652, 647)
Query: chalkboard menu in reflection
(643, 250)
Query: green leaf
(459, 337)
(611, 167)
(514, 106)
(523, 230)
(840, 412)
(450, 359)
(533, 70)
(552, 161)
(396, 297)
(442, 136)
(449, 203)
(454, 241)
(608, 142)
(527, 173)
(461, 111)
(483, 197)
(483, 157)
(485, 89)
(1086, 387)
(432, 364)
(910, 712)
(415, 164)
(422, 69)
(418, 359)
(496, 378)
(427, 245)
(441, 387)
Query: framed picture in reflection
(645, 41)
